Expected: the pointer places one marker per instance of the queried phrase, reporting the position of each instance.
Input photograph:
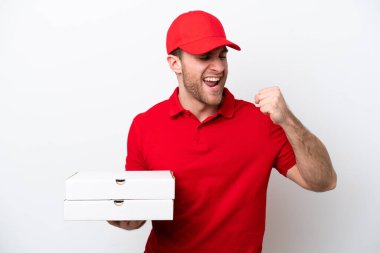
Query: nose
(218, 65)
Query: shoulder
(158, 111)
(247, 109)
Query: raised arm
(313, 169)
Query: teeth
(212, 79)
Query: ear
(174, 63)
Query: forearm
(313, 160)
(314, 170)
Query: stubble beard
(194, 86)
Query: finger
(266, 109)
(134, 223)
(269, 100)
(141, 223)
(123, 223)
(113, 223)
(259, 97)
(267, 93)
(126, 225)
(269, 89)
(272, 91)
(131, 225)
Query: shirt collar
(175, 106)
(226, 109)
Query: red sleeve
(285, 158)
(135, 159)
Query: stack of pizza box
(119, 195)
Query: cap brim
(207, 44)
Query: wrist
(290, 121)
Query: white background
(74, 73)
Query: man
(220, 149)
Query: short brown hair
(177, 52)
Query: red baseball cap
(196, 32)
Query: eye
(204, 57)
(223, 57)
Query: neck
(200, 110)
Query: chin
(214, 101)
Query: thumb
(257, 100)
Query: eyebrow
(225, 50)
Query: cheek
(199, 70)
(226, 68)
(195, 70)
(195, 73)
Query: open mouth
(211, 81)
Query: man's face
(204, 76)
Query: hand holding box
(119, 196)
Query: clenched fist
(271, 101)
